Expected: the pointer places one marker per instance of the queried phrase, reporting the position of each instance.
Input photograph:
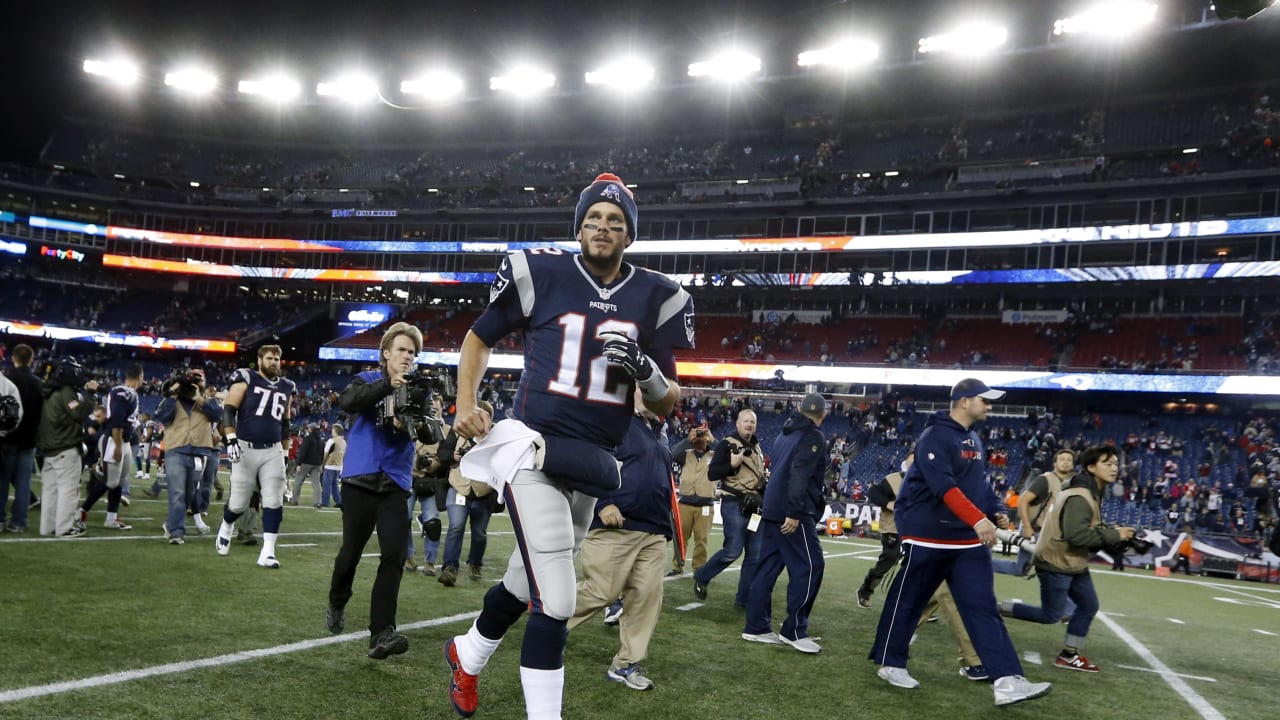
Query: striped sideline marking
(1189, 677)
(118, 678)
(217, 661)
(1175, 681)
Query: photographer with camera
(466, 501)
(1032, 503)
(692, 459)
(430, 481)
(738, 465)
(1072, 531)
(66, 406)
(377, 477)
(188, 416)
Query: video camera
(65, 371)
(184, 383)
(411, 405)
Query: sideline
(1175, 681)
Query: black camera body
(65, 371)
(411, 404)
(184, 384)
(1135, 545)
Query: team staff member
(1073, 531)
(792, 505)
(885, 494)
(18, 448)
(697, 495)
(377, 475)
(65, 407)
(258, 411)
(626, 547)
(738, 465)
(188, 416)
(946, 515)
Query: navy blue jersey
(265, 405)
(122, 411)
(567, 388)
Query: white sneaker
(897, 677)
(768, 638)
(268, 561)
(804, 644)
(201, 527)
(222, 543)
(1011, 689)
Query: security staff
(738, 465)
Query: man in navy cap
(792, 505)
(947, 516)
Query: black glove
(623, 351)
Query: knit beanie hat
(607, 188)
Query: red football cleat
(462, 687)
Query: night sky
(46, 41)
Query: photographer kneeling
(1072, 531)
(188, 416)
(377, 475)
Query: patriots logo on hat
(612, 192)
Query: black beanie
(607, 188)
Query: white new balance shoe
(1012, 689)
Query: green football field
(123, 625)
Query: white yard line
(690, 606)
(1189, 677)
(218, 661)
(1193, 698)
(283, 545)
(1032, 657)
(1176, 621)
(1264, 632)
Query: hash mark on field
(1176, 621)
(1189, 677)
(1193, 698)
(298, 545)
(690, 606)
(1032, 657)
(1264, 632)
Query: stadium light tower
(971, 40)
(119, 71)
(191, 81)
(434, 85)
(1112, 19)
(354, 88)
(730, 65)
(626, 74)
(846, 55)
(272, 87)
(523, 81)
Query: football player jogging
(256, 418)
(595, 328)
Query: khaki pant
(59, 491)
(943, 602)
(627, 563)
(693, 520)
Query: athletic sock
(543, 692)
(111, 518)
(269, 544)
(474, 649)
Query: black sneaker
(674, 572)
(335, 619)
(387, 643)
(864, 598)
(699, 589)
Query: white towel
(508, 448)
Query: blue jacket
(947, 457)
(370, 447)
(799, 462)
(645, 496)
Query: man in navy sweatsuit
(792, 505)
(947, 516)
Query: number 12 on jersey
(574, 326)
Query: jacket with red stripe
(948, 458)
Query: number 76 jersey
(265, 404)
(567, 388)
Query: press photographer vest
(887, 525)
(749, 477)
(337, 452)
(695, 479)
(189, 428)
(1052, 548)
(1036, 510)
(460, 484)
